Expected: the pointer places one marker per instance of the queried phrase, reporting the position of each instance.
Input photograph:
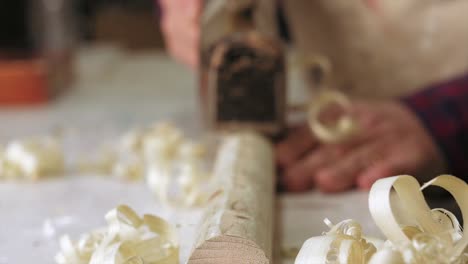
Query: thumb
(192, 8)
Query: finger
(367, 119)
(187, 55)
(373, 5)
(193, 52)
(182, 46)
(190, 9)
(294, 146)
(342, 175)
(181, 53)
(300, 177)
(197, 8)
(186, 48)
(370, 132)
(374, 173)
(368, 114)
(394, 164)
(165, 4)
(172, 5)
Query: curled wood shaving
(128, 239)
(173, 166)
(432, 235)
(344, 243)
(31, 159)
(343, 128)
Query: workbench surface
(114, 92)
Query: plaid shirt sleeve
(443, 109)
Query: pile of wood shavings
(175, 168)
(31, 159)
(434, 236)
(128, 239)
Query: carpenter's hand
(391, 141)
(180, 26)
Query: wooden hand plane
(242, 66)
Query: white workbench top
(116, 91)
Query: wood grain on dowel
(238, 225)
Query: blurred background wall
(40, 38)
(131, 23)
